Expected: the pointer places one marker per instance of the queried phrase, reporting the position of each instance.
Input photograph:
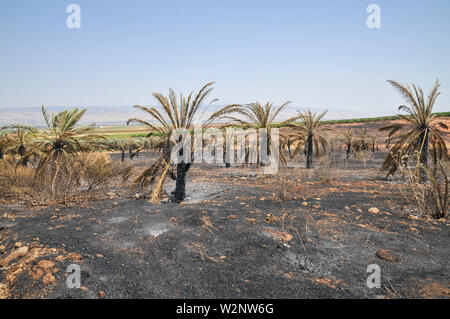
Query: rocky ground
(298, 234)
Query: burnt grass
(298, 234)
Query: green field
(124, 132)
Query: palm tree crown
(64, 137)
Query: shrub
(99, 169)
(16, 181)
(65, 178)
(430, 197)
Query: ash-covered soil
(298, 234)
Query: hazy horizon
(118, 115)
(315, 54)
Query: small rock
(75, 257)
(36, 273)
(3, 291)
(373, 210)
(2, 249)
(111, 195)
(386, 255)
(46, 264)
(305, 203)
(48, 279)
(20, 252)
(18, 244)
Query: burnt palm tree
(361, 141)
(171, 115)
(309, 134)
(63, 137)
(349, 139)
(5, 142)
(419, 132)
(122, 145)
(20, 141)
(373, 143)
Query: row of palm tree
(420, 133)
(132, 146)
(173, 115)
(422, 130)
(358, 140)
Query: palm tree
(420, 131)
(20, 140)
(122, 144)
(349, 139)
(5, 141)
(172, 115)
(374, 143)
(309, 133)
(361, 143)
(257, 116)
(135, 147)
(63, 137)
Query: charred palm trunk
(309, 151)
(1, 153)
(180, 187)
(123, 155)
(289, 148)
(24, 160)
(423, 159)
(349, 149)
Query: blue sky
(314, 53)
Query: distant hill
(118, 115)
